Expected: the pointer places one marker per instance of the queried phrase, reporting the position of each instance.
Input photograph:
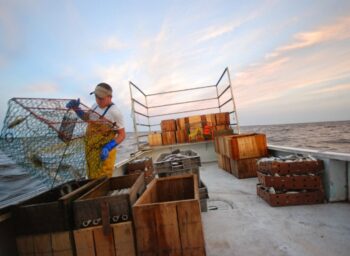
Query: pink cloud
(334, 32)
(284, 72)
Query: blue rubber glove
(74, 104)
(107, 148)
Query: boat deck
(244, 224)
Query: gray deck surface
(252, 227)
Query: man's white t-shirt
(113, 114)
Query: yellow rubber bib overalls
(98, 133)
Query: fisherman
(104, 132)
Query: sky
(289, 60)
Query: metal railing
(221, 103)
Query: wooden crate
(220, 145)
(195, 134)
(182, 123)
(219, 141)
(222, 118)
(168, 138)
(290, 198)
(50, 211)
(155, 139)
(220, 161)
(93, 241)
(224, 163)
(167, 218)
(168, 125)
(218, 133)
(57, 244)
(290, 182)
(98, 208)
(273, 167)
(195, 121)
(223, 127)
(181, 136)
(210, 119)
(246, 146)
(244, 168)
(226, 147)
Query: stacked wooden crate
(44, 223)
(103, 217)
(238, 154)
(141, 165)
(291, 180)
(155, 139)
(168, 131)
(190, 129)
(168, 218)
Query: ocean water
(324, 136)
(15, 182)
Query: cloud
(334, 32)
(113, 43)
(216, 31)
(285, 73)
(256, 72)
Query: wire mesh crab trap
(50, 141)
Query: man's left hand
(107, 148)
(104, 153)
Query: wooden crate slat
(190, 225)
(167, 230)
(210, 119)
(84, 242)
(42, 244)
(25, 245)
(124, 241)
(62, 243)
(168, 138)
(104, 244)
(182, 123)
(145, 226)
(181, 136)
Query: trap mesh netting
(50, 141)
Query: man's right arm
(74, 104)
